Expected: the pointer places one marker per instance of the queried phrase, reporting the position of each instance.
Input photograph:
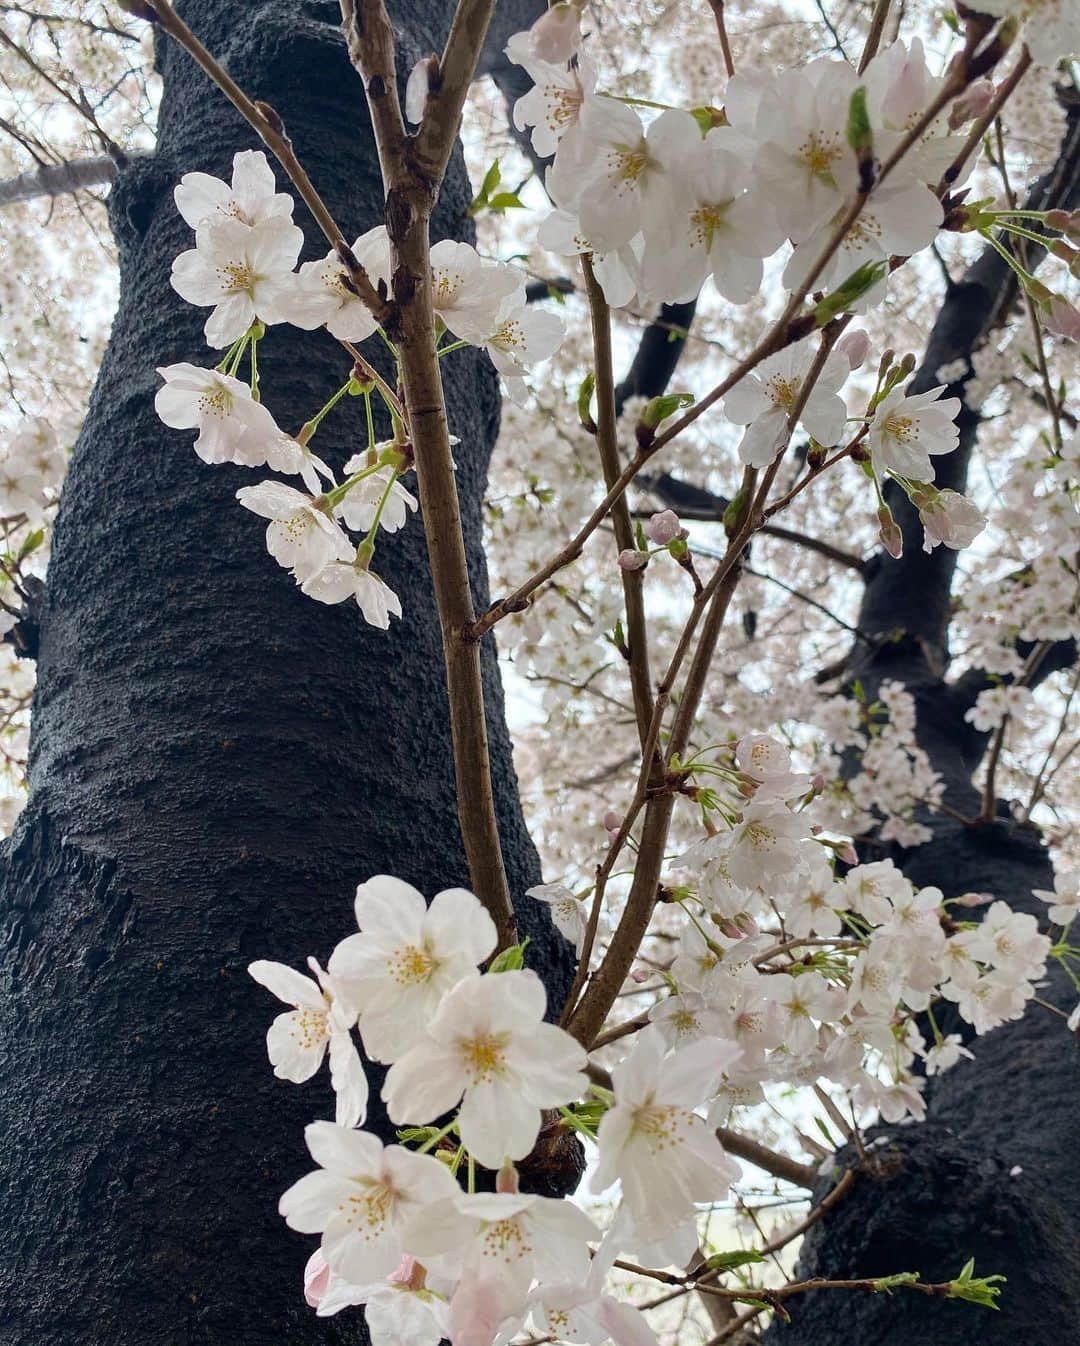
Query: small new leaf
(740, 1257)
(511, 959)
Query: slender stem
(717, 7)
(633, 581)
(873, 37)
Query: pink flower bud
(974, 899)
(972, 103)
(556, 35)
(316, 1279)
(817, 783)
(633, 560)
(663, 528)
(612, 820)
(1061, 318)
(847, 854)
(855, 346)
(506, 1180)
(1064, 221)
(639, 976)
(613, 835)
(891, 537)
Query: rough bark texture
(216, 762)
(991, 1174)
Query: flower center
(482, 1057)
(236, 277)
(507, 1240)
(819, 152)
(782, 392)
(409, 966)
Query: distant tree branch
(58, 179)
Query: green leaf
(860, 135)
(849, 291)
(30, 543)
(492, 178)
(660, 408)
(511, 959)
(506, 201)
(740, 1257)
(584, 402)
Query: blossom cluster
(244, 268)
(790, 968)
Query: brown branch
(58, 179)
(779, 1165)
(442, 115)
(410, 197)
(717, 7)
(633, 581)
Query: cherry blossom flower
(900, 218)
(251, 199)
(616, 271)
(406, 957)
(768, 762)
(320, 1020)
(338, 581)
(948, 517)
(495, 1245)
(993, 704)
(1064, 900)
(488, 1042)
(764, 400)
(578, 1314)
(319, 295)
(718, 227)
(402, 1310)
(300, 536)
(946, 1054)
(764, 843)
(802, 159)
(613, 173)
(360, 1197)
(243, 271)
(357, 508)
(553, 106)
(468, 292)
(232, 426)
(521, 335)
(906, 431)
(556, 35)
(653, 1141)
(566, 911)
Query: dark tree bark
(991, 1174)
(216, 761)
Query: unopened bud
(855, 346)
(815, 456)
(907, 365)
(633, 560)
(891, 537)
(506, 1180)
(973, 899)
(817, 783)
(639, 976)
(885, 363)
(1061, 318)
(612, 820)
(1065, 222)
(847, 854)
(663, 528)
(972, 103)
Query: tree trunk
(216, 761)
